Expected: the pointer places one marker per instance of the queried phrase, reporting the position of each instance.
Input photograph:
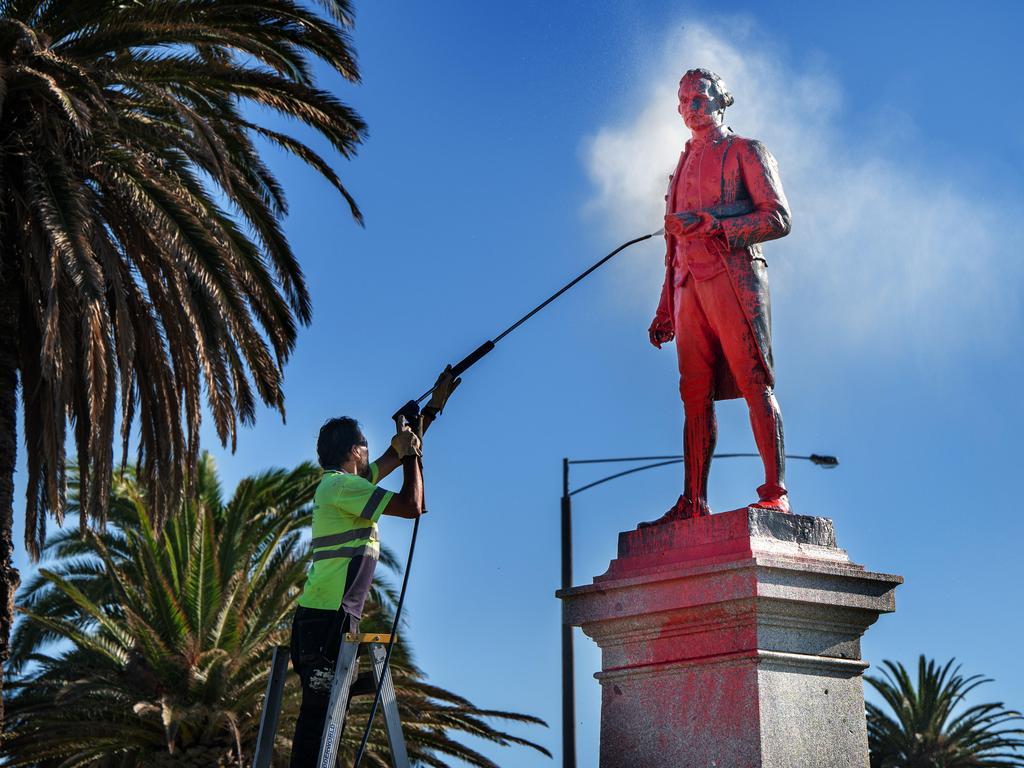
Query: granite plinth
(732, 640)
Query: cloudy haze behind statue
(880, 253)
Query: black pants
(316, 634)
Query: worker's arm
(385, 464)
(408, 502)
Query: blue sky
(511, 145)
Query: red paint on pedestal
(719, 636)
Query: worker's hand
(444, 386)
(661, 332)
(405, 443)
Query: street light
(568, 683)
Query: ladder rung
(368, 637)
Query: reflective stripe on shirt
(371, 505)
(367, 550)
(340, 538)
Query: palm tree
(142, 258)
(933, 728)
(163, 639)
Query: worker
(345, 549)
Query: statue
(723, 201)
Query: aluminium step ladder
(344, 674)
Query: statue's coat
(734, 169)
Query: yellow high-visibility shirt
(346, 545)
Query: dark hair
(719, 84)
(337, 438)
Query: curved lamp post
(568, 683)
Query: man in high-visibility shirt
(345, 549)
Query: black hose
(569, 285)
(415, 419)
(470, 359)
(391, 644)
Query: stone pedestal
(732, 641)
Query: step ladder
(344, 674)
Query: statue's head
(703, 98)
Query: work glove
(405, 443)
(661, 332)
(444, 386)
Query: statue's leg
(698, 351)
(766, 421)
(742, 354)
(700, 433)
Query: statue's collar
(711, 137)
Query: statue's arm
(770, 218)
(662, 327)
(664, 313)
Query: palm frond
(928, 724)
(136, 641)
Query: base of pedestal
(732, 641)
(767, 709)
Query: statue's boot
(700, 431)
(774, 503)
(766, 421)
(683, 509)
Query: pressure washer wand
(473, 357)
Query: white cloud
(880, 254)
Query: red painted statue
(724, 200)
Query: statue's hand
(705, 226)
(660, 332)
(692, 224)
(674, 225)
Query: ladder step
(368, 637)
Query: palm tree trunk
(9, 579)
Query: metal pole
(568, 681)
(271, 708)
